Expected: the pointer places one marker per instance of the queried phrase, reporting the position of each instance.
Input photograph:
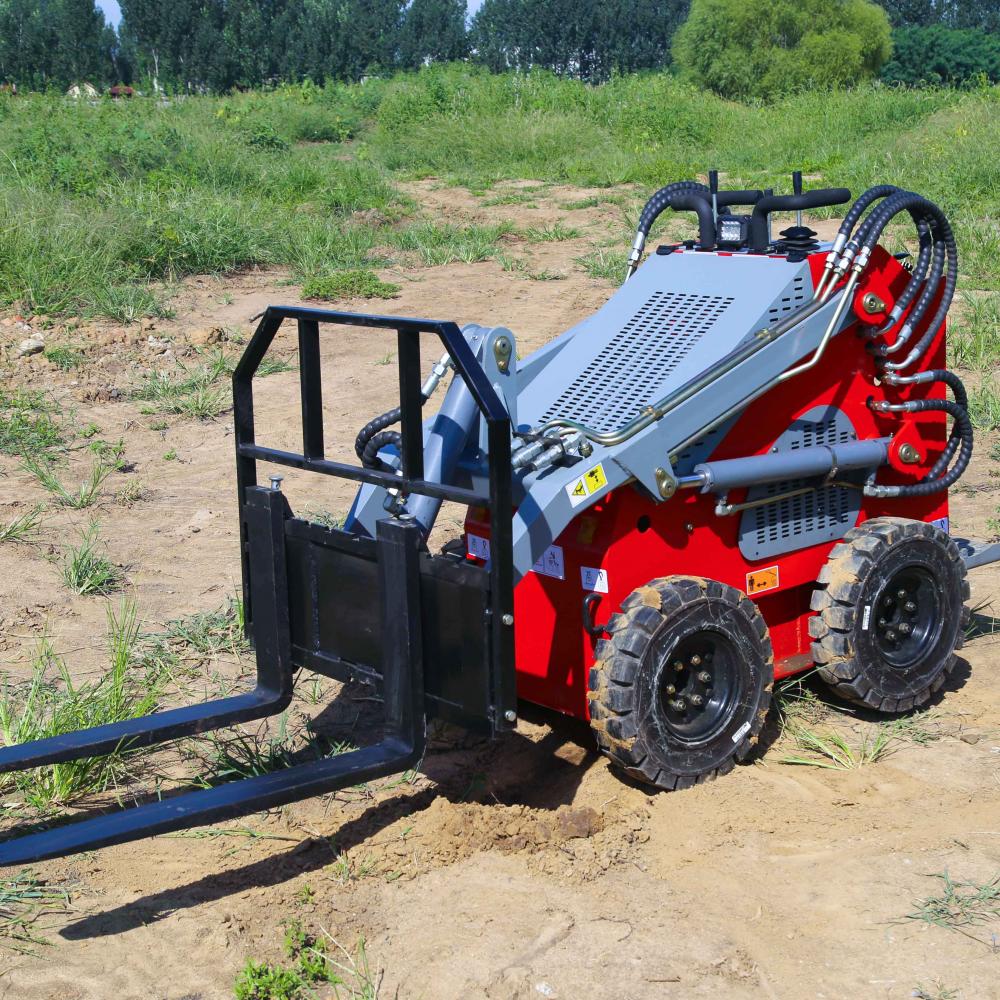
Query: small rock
(31, 345)
(158, 344)
(206, 335)
(971, 738)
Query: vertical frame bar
(398, 542)
(311, 386)
(243, 433)
(411, 403)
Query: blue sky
(113, 13)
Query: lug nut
(705, 677)
(905, 627)
(901, 593)
(678, 665)
(910, 606)
(697, 700)
(696, 660)
(882, 623)
(670, 689)
(888, 602)
(678, 704)
(890, 635)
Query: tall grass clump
(140, 194)
(51, 704)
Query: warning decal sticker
(587, 485)
(762, 579)
(595, 579)
(551, 563)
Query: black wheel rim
(908, 617)
(699, 686)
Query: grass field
(102, 203)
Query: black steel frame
(263, 516)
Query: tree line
(218, 45)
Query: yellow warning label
(762, 579)
(587, 485)
(596, 480)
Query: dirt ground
(522, 870)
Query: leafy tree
(433, 31)
(53, 43)
(590, 39)
(763, 48)
(942, 55)
(984, 14)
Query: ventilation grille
(628, 372)
(797, 522)
(795, 298)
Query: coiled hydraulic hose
(659, 201)
(930, 483)
(373, 437)
(376, 427)
(961, 399)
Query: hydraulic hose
(930, 484)
(378, 441)
(658, 202)
(918, 278)
(375, 426)
(961, 399)
(864, 240)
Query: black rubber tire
(858, 650)
(630, 709)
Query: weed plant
(51, 704)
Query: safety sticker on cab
(762, 579)
(587, 485)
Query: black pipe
(820, 198)
(693, 202)
(928, 485)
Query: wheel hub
(907, 616)
(698, 692)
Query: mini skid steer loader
(736, 469)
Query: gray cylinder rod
(801, 463)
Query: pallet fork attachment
(270, 593)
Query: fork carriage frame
(436, 633)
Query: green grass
(27, 427)
(200, 390)
(25, 901)
(963, 905)
(984, 405)
(604, 263)
(142, 194)
(85, 568)
(974, 335)
(208, 633)
(553, 233)
(197, 390)
(23, 528)
(314, 962)
(832, 750)
(77, 499)
(347, 285)
(51, 704)
(244, 753)
(66, 358)
(443, 243)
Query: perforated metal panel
(795, 297)
(822, 515)
(625, 375)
